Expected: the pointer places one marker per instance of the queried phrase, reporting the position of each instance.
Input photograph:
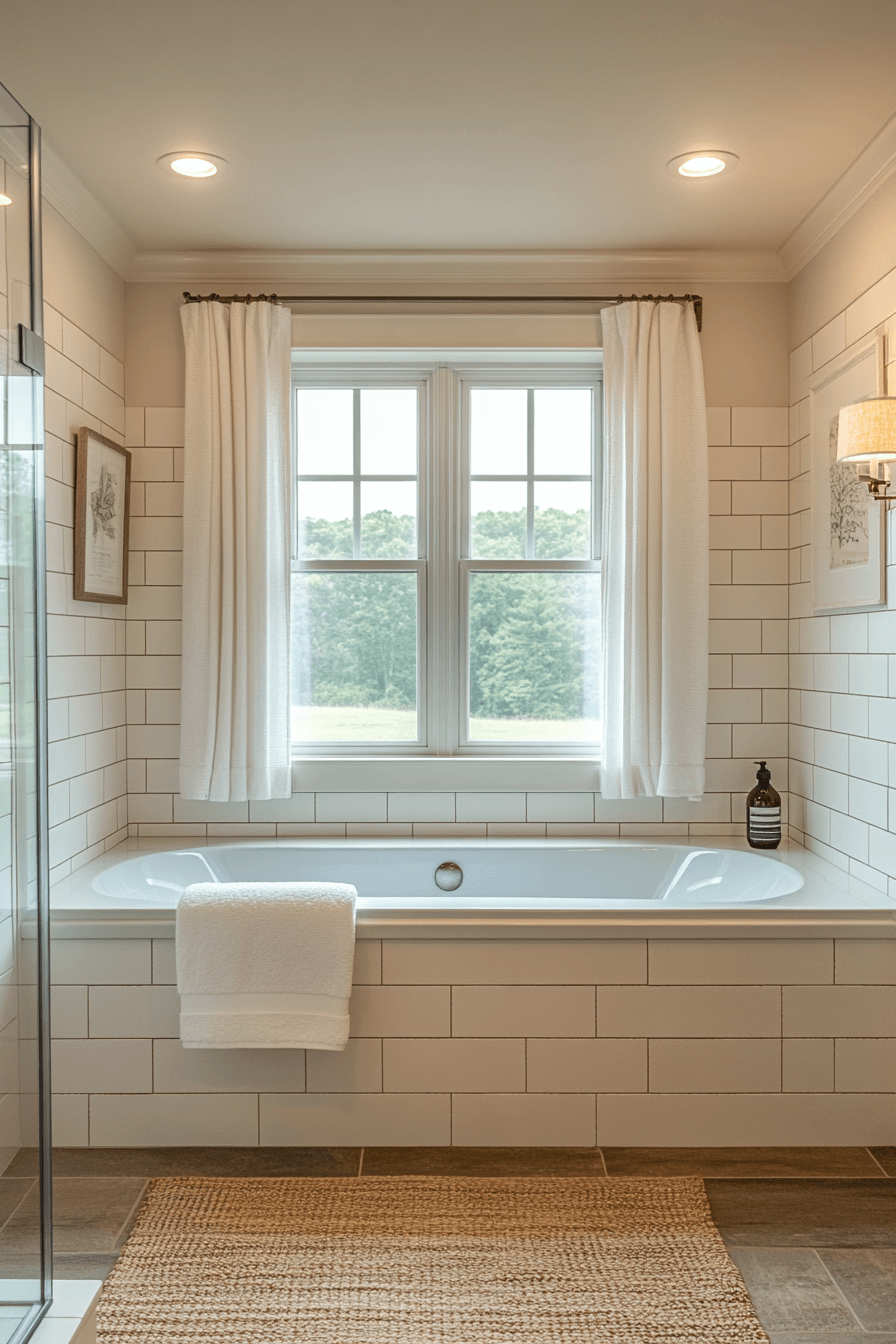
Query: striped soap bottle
(763, 811)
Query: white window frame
(523, 376)
(443, 756)
(349, 376)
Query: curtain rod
(695, 299)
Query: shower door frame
(41, 744)
(31, 356)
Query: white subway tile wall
(85, 640)
(842, 743)
(749, 672)
(500, 1043)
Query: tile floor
(813, 1230)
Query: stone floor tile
(13, 1190)
(752, 1163)
(867, 1279)
(792, 1290)
(149, 1162)
(848, 1214)
(887, 1159)
(90, 1214)
(837, 1337)
(25, 1163)
(26, 1265)
(83, 1266)
(482, 1162)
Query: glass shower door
(25, 1248)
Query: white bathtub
(539, 888)
(530, 876)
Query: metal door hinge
(32, 352)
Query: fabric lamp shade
(867, 430)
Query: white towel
(265, 965)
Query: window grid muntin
(547, 378)
(357, 478)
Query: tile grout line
(15, 1210)
(134, 1207)
(817, 1253)
(876, 1163)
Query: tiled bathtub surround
(748, 675)
(533, 1043)
(843, 666)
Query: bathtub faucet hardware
(448, 876)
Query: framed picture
(102, 518)
(848, 526)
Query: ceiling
(479, 124)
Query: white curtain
(235, 682)
(655, 547)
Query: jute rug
(426, 1260)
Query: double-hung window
(446, 571)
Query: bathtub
(491, 875)
(566, 993)
(560, 885)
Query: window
(446, 573)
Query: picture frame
(848, 525)
(102, 518)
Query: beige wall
(744, 337)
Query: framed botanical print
(848, 526)
(102, 518)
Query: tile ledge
(73, 1306)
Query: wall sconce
(867, 433)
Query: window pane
(325, 520)
(389, 431)
(498, 431)
(324, 431)
(354, 665)
(563, 431)
(389, 520)
(562, 520)
(534, 657)
(498, 520)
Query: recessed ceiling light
(702, 163)
(192, 163)
(5, 200)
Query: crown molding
(845, 198)
(67, 194)
(416, 269)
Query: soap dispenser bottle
(763, 811)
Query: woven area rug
(426, 1260)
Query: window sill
(521, 774)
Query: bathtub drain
(449, 876)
